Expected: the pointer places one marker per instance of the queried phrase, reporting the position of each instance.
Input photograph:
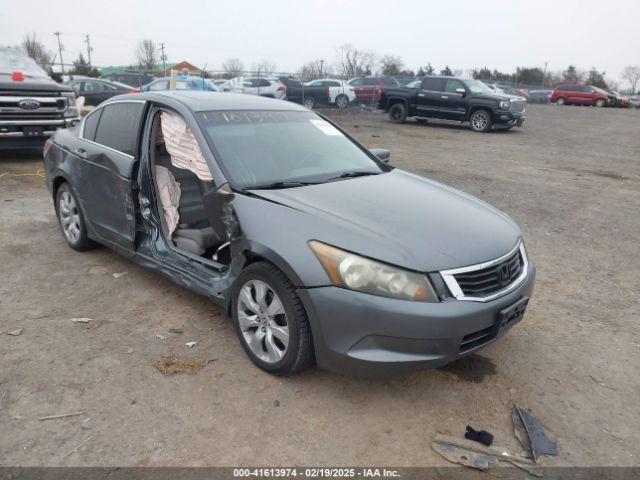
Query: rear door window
(356, 83)
(91, 124)
(118, 127)
(390, 81)
(433, 84)
(370, 81)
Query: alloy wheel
(263, 321)
(480, 121)
(342, 102)
(69, 217)
(309, 103)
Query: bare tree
(631, 74)
(391, 65)
(351, 62)
(147, 54)
(264, 67)
(36, 50)
(232, 67)
(312, 70)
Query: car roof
(198, 101)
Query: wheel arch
(391, 101)
(475, 108)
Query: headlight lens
(358, 273)
(506, 104)
(71, 110)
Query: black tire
(299, 353)
(78, 240)
(398, 113)
(309, 102)
(480, 120)
(342, 101)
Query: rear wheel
(71, 220)
(398, 113)
(309, 102)
(342, 101)
(270, 320)
(480, 121)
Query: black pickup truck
(32, 105)
(450, 98)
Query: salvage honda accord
(318, 249)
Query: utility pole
(57, 34)
(544, 74)
(164, 60)
(321, 67)
(89, 49)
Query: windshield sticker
(325, 127)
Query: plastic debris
(15, 333)
(161, 337)
(129, 351)
(470, 454)
(81, 320)
(64, 415)
(119, 274)
(481, 436)
(191, 344)
(177, 331)
(531, 434)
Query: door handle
(421, 94)
(444, 96)
(81, 152)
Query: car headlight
(71, 110)
(506, 104)
(354, 272)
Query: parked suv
(451, 98)
(579, 95)
(32, 105)
(265, 87)
(335, 92)
(368, 89)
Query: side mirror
(383, 154)
(461, 91)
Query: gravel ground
(570, 178)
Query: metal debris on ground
(63, 415)
(191, 344)
(80, 320)
(470, 454)
(177, 331)
(531, 434)
(169, 365)
(15, 333)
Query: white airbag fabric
(183, 147)
(169, 191)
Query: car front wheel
(480, 121)
(271, 321)
(71, 220)
(309, 102)
(560, 101)
(600, 102)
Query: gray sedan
(319, 249)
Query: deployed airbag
(182, 146)
(169, 192)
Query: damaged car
(318, 249)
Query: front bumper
(369, 336)
(31, 133)
(509, 118)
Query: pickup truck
(32, 105)
(451, 98)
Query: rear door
(428, 101)
(109, 139)
(369, 88)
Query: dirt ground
(570, 178)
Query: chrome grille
(518, 105)
(12, 107)
(488, 280)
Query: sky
(463, 34)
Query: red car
(369, 89)
(579, 95)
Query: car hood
(32, 84)
(401, 219)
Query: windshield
(259, 148)
(14, 60)
(476, 86)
